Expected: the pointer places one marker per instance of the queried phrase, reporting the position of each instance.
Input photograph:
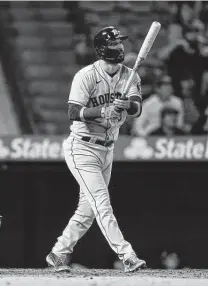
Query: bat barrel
(149, 40)
(146, 46)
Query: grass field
(95, 277)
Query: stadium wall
(160, 206)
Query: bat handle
(129, 81)
(133, 72)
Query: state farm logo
(138, 148)
(162, 148)
(4, 151)
(31, 148)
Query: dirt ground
(95, 277)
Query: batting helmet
(103, 39)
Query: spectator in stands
(150, 70)
(191, 113)
(150, 117)
(203, 14)
(168, 121)
(200, 127)
(183, 11)
(187, 57)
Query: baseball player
(97, 111)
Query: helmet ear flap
(101, 52)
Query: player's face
(115, 52)
(116, 45)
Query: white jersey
(92, 87)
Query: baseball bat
(144, 50)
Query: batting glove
(110, 112)
(122, 104)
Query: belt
(97, 141)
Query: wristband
(136, 112)
(81, 114)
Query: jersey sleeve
(135, 89)
(80, 90)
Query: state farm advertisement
(184, 148)
(49, 148)
(31, 148)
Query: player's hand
(122, 104)
(110, 112)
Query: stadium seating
(45, 42)
(8, 122)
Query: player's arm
(79, 113)
(79, 97)
(133, 103)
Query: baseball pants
(91, 166)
